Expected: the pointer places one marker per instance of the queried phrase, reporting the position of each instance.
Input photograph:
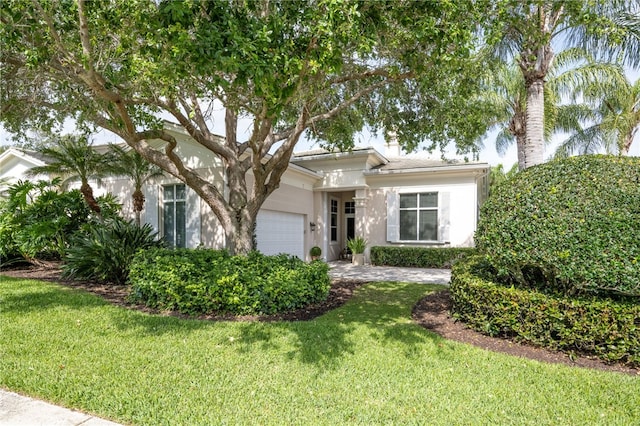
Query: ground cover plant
(363, 363)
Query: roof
(29, 155)
(417, 165)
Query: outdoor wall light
(312, 226)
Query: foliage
(418, 257)
(103, 251)
(327, 67)
(366, 362)
(497, 175)
(357, 245)
(604, 327)
(212, 281)
(570, 225)
(315, 251)
(138, 169)
(526, 31)
(611, 119)
(37, 221)
(73, 159)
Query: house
(324, 199)
(14, 163)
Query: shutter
(151, 206)
(444, 213)
(393, 216)
(193, 239)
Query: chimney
(392, 148)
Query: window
(419, 217)
(174, 214)
(334, 220)
(349, 207)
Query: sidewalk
(18, 410)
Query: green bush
(37, 221)
(572, 225)
(104, 251)
(211, 281)
(607, 328)
(419, 257)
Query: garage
(280, 232)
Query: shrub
(607, 328)
(419, 257)
(37, 221)
(211, 281)
(570, 225)
(105, 250)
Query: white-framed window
(421, 217)
(333, 224)
(174, 214)
(349, 207)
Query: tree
(322, 66)
(75, 160)
(134, 166)
(574, 72)
(527, 31)
(612, 119)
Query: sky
(487, 154)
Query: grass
(365, 363)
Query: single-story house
(324, 199)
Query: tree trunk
(240, 236)
(628, 141)
(138, 204)
(87, 193)
(534, 143)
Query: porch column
(362, 217)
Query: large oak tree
(326, 67)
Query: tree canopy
(328, 67)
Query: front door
(350, 220)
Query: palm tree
(527, 30)
(612, 119)
(504, 95)
(74, 160)
(139, 170)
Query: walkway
(384, 273)
(18, 410)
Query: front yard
(363, 363)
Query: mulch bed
(432, 313)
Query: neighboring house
(325, 198)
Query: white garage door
(279, 232)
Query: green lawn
(365, 363)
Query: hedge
(606, 328)
(211, 281)
(419, 257)
(572, 225)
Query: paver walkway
(18, 410)
(385, 273)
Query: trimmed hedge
(572, 225)
(211, 281)
(607, 328)
(419, 257)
